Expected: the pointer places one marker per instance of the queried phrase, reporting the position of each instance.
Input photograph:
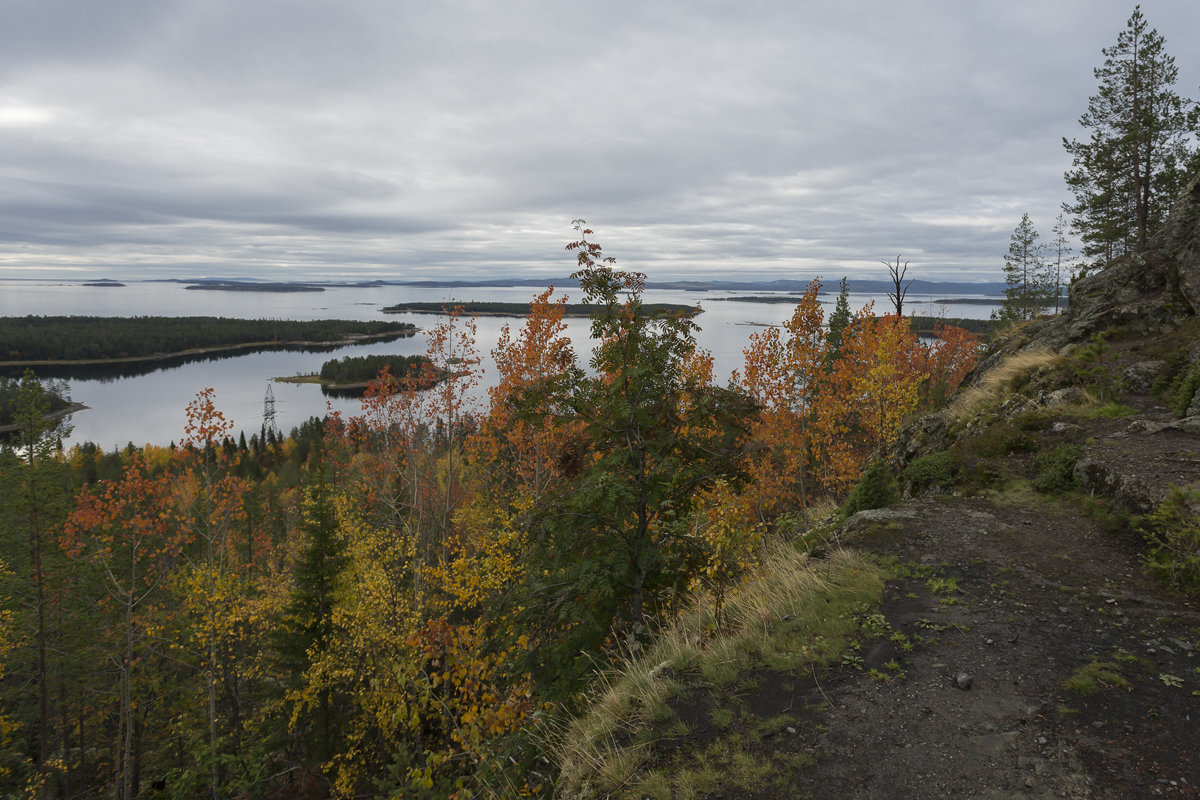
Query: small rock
(1182, 645)
(1042, 740)
(1098, 724)
(790, 730)
(963, 681)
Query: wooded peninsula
(36, 340)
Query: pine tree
(1027, 294)
(1140, 148)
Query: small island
(355, 372)
(497, 309)
(104, 283)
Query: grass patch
(1094, 676)
(794, 611)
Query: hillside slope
(1030, 641)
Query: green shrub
(1000, 440)
(1086, 367)
(935, 469)
(1183, 389)
(877, 488)
(1054, 471)
(1172, 533)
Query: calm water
(150, 407)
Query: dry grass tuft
(999, 383)
(790, 603)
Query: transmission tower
(269, 425)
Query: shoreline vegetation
(498, 309)
(53, 341)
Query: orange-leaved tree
(785, 373)
(877, 378)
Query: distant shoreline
(499, 309)
(199, 351)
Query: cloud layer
(382, 139)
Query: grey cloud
(776, 138)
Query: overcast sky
(306, 139)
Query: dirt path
(1022, 597)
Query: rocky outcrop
(1100, 478)
(1145, 290)
(1180, 239)
(1141, 293)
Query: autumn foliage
(397, 602)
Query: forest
(36, 338)
(408, 601)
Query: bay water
(149, 407)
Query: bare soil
(1009, 594)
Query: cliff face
(1139, 292)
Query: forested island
(496, 309)
(354, 372)
(37, 340)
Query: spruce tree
(1140, 146)
(839, 319)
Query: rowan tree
(612, 539)
(785, 373)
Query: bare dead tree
(897, 273)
